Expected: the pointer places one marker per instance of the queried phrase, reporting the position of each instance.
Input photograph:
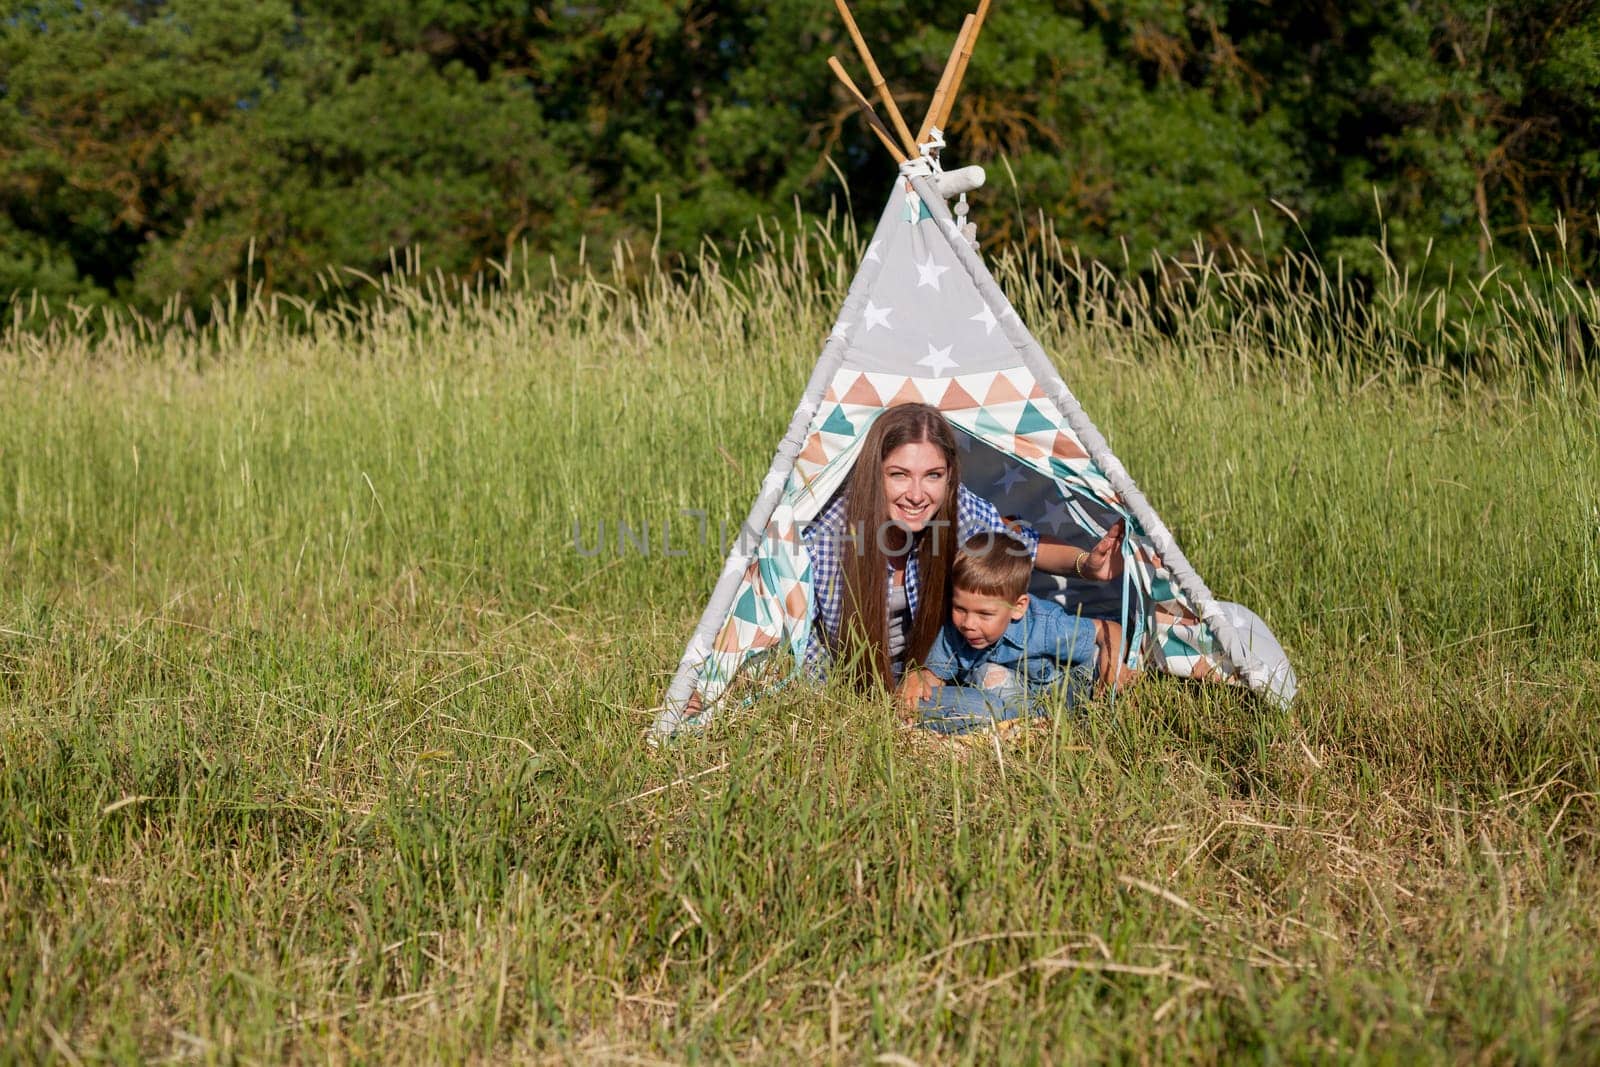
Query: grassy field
(319, 739)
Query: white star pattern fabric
(928, 274)
(937, 360)
(875, 316)
(921, 301)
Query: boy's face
(982, 619)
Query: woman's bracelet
(1077, 568)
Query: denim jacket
(1037, 650)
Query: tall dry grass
(318, 739)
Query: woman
(881, 552)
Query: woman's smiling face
(916, 480)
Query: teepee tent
(925, 321)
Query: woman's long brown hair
(864, 626)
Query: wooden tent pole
(873, 121)
(878, 83)
(961, 70)
(936, 105)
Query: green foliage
(155, 143)
(158, 150)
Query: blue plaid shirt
(826, 542)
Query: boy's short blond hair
(993, 564)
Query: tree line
(153, 152)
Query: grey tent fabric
(925, 320)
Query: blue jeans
(965, 709)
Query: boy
(1001, 650)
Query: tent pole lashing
(878, 84)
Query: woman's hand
(1101, 563)
(1104, 561)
